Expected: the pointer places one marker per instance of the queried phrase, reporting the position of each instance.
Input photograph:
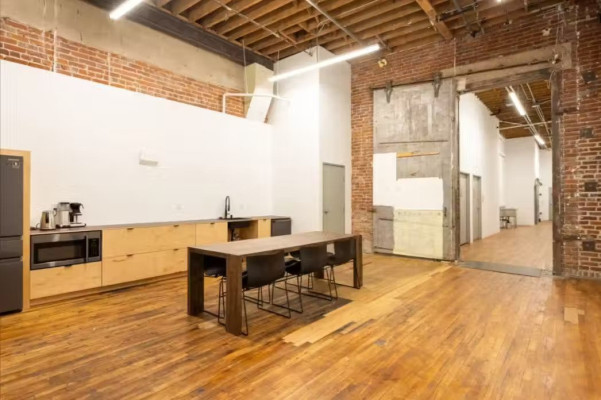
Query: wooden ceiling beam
(161, 3)
(281, 22)
(255, 13)
(430, 11)
(179, 6)
(366, 29)
(357, 22)
(222, 14)
(205, 8)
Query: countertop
(35, 231)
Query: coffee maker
(75, 214)
(63, 215)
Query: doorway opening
(506, 179)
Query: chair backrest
(214, 266)
(344, 251)
(313, 258)
(265, 269)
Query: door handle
(325, 211)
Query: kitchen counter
(35, 231)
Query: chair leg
(334, 282)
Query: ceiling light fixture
(539, 139)
(517, 103)
(124, 8)
(327, 63)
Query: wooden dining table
(234, 254)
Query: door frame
(469, 207)
(474, 203)
(323, 164)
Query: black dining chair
(312, 259)
(215, 267)
(263, 270)
(344, 252)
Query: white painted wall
(546, 177)
(480, 154)
(335, 124)
(85, 140)
(310, 129)
(520, 173)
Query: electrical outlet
(590, 186)
(589, 245)
(586, 133)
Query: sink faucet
(227, 207)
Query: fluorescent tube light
(326, 63)
(539, 139)
(124, 8)
(517, 103)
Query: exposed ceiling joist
(440, 26)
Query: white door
(333, 198)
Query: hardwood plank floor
(526, 246)
(418, 330)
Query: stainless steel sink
(235, 223)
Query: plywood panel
(121, 242)
(142, 266)
(264, 228)
(59, 280)
(418, 233)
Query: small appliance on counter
(75, 214)
(47, 221)
(63, 214)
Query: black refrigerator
(11, 233)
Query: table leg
(196, 286)
(358, 263)
(233, 299)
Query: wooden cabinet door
(208, 233)
(142, 266)
(264, 228)
(127, 241)
(59, 280)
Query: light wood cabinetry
(59, 280)
(135, 267)
(124, 241)
(214, 232)
(263, 228)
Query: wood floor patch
(504, 268)
(571, 314)
(356, 313)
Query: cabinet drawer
(142, 266)
(125, 241)
(209, 233)
(59, 280)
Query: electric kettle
(47, 220)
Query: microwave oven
(64, 249)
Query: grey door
(416, 170)
(464, 209)
(333, 198)
(477, 207)
(537, 194)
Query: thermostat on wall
(149, 157)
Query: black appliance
(11, 233)
(281, 226)
(60, 249)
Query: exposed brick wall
(581, 158)
(46, 50)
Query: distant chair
(312, 259)
(344, 252)
(261, 271)
(215, 267)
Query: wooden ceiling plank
(179, 6)
(430, 11)
(223, 14)
(359, 22)
(161, 3)
(255, 13)
(204, 9)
